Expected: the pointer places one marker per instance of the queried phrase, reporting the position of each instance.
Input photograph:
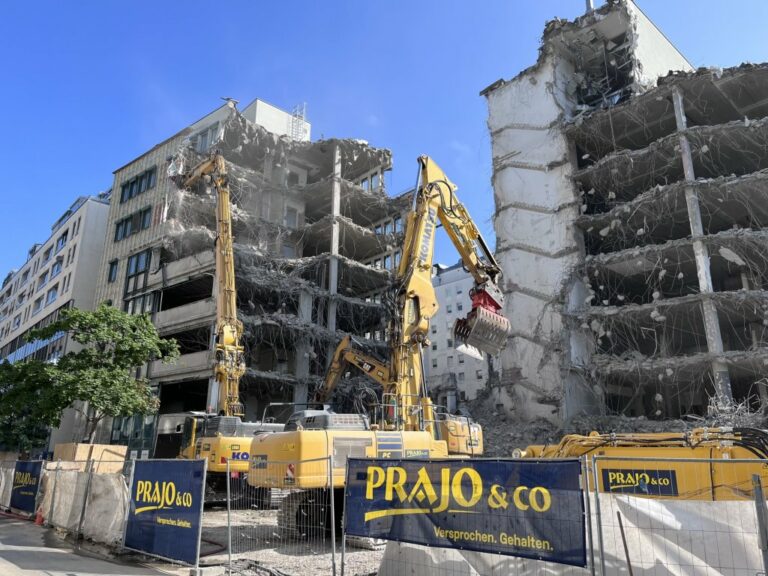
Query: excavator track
(305, 515)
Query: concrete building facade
(604, 57)
(315, 235)
(452, 376)
(629, 220)
(59, 273)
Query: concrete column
(711, 325)
(333, 265)
(303, 349)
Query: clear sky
(89, 85)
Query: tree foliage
(101, 373)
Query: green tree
(102, 373)
(28, 405)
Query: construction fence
(635, 516)
(638, 516)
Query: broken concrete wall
(291, 246)
(597, 61)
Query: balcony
(197, 365)
(169, 321)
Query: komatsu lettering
(426, 237)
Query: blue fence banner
(165, 511)
(26, 481)
(526, 508)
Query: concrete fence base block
(208, 571)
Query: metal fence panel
(676, 516)
(279, 528)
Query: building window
(461, 376)
(24, 278)
(206, 137)
(134, 223)
(377, 229)
(42, 280)
(17, 321)
(146, 218)
(450, 343)
(434, 328)
(52, 294)
(375, 181)
(37, 306)
(61, 242)
(450, 361)
(138, 185)
(448, 308)
(47, 254)
(434, 362)
(291, 217)
(364, 184)
(387, 262)
(459, 290)
(434, 346)
(388, 227)
(56, 268)
(479, 374)
(398, 222)
(459, 306)
(397, 258)
(377, 263)
(139, 305)
(112, 274)
(461, 358)
(137, 271)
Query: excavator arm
(483, 330)
(230, 361)
(435, 200)
(345, 356)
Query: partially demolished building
(631, 210)
(316, 238)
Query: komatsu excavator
(406, 424)
(221, 436)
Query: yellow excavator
(221, 436)
(404, 424)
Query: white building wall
(444, 365)
(70, 269)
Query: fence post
(331, 495)
(53, 493)
(130, 496)
(598, 518)
(588, 512)
(229, 518)
(202, 508)
(762, 521)
(85, 501)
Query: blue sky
(89, 85)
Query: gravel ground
(255, 537)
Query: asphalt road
(29, 550)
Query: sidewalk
(29, 550)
